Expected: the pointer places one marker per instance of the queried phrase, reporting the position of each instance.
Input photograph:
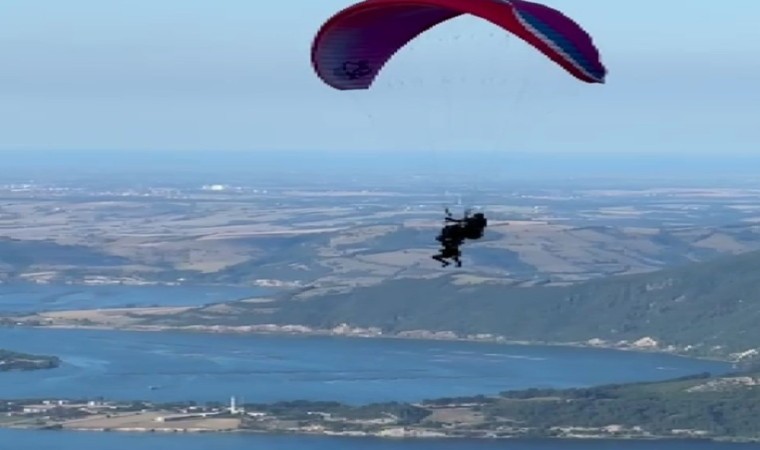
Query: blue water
(27, 297)
(54, 440)
(203, 367)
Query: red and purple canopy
(352, 46)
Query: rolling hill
(707, 308)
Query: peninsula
(696, 407)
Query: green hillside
(698, 406)
(712, 306)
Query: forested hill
(713, 307)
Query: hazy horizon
(437, 168)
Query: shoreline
(344, 331)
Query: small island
(696, 407)
(21, 361)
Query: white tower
(233, 408)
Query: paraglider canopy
(351, 48)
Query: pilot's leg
(440, 258)
(456, 259)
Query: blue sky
(235, 75)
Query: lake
(206, 367)
(212, 367)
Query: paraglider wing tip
(599, 79)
